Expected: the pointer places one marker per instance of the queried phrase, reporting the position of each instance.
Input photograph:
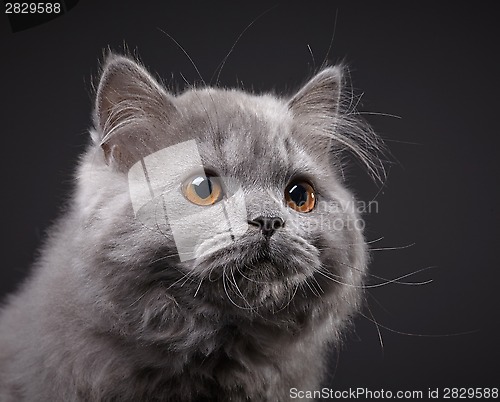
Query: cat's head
(222, 196)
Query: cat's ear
(316, 106)
(129, 103)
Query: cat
(209, 251)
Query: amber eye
(300, 196)
(202, 190)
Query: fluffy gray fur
(111, 314)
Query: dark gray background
(434, 67)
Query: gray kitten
(210, 251)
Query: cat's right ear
(130, 104)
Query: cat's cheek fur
(110, 312)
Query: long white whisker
(223, 62)
(323, 64)
(224, 276)
(313, 290)
(379, 114)
(378, 329)
(239, 290)
(392, 248)
(395, 280)
(198, 288)
(421, 335)
(312, 56)
(296, 287)
(186, 53)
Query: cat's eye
(299, 195)
(203, 190)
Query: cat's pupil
(298, 194)
(202, 186)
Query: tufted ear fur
(323, 127)
(130, 106)
(316, 106)
(320, 96)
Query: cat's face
(230, 197)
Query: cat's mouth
(253, 273)
(279, 257)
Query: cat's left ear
(315, 107)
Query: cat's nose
(267, 224)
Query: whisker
(186, 53)
(402, 142)
(313, 290)
(377, 301)
(198, 288)
(238, 289)
(296, 287)
(247, 278)
(398, 281)
(378, 329)
(337, 278)
(224, 276)
(379, 114)
(186, 277)
(323, 64)
(395, 280)
(354, 244)
(393, 248)
(421, 335)
(138, 299)
(312, 56)
(371, 241)
(185, 79)
(189, 277)
(319, 271)
(223, 62)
